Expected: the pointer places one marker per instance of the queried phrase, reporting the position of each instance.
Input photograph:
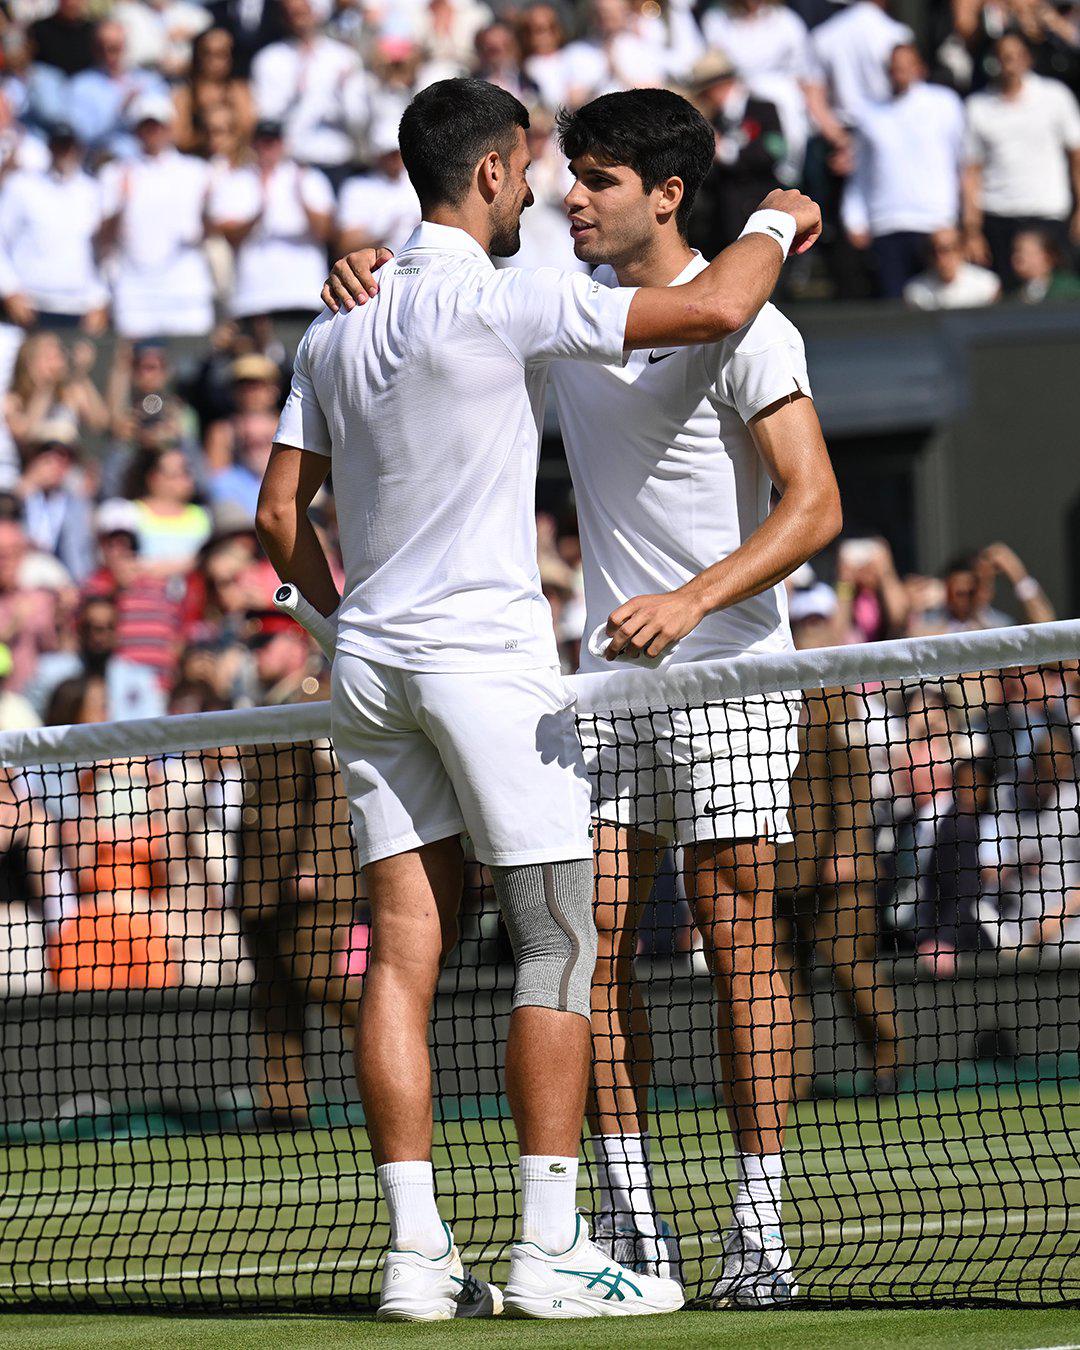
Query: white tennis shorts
(718, 772)
(425, 755)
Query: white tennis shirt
(667, 477)
(430, 402)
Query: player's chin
(505, 245)
(587, 246)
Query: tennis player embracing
(448, 712)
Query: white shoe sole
(555, 1307)
(441, 1310)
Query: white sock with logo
(757, 1194)
(415, 1224)
(624, 1179)
(548, 1201)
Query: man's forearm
(801, 526)
(297, 556)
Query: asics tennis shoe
(417, 1288)
(754, 1270)
(582, 1281)
(617, 1236)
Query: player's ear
(669, 195)
(490, 173)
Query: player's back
(434, 434)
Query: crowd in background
(173, 170)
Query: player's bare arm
(808, 516)
(290, 483)
(723, 299)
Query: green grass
(964, 1192)
(974, 1329)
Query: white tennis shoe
(582, 1282)
(754, 1270)
(418, 1288)
(617, 1236)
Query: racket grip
(324, 630)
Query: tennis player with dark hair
(675, 454)
(448, 710)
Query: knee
(548, 913)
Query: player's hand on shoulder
(352, 281)
(806, 211)
(649, 624)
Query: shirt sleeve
(762, 364)
(974, 143)
(1069, 120)
(317, 193)
(235, 196)
(302, 424)
(547, 314)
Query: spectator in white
(160, 32)
(1023, 152)
(769, 46)
(49, 223)
(562, 74)
(950, 281)
(56, 504)
(99, 101)
(397, 71)
(380, 207)
(447, 30)
(131, 690)
(315, 87)
(278, 216)
(908, 163)
(19, 149)
(1039, 267)
(545, 234)
(969, 591)
(612, 56)
(252, 441)
(498, 60)
(155, 205)
(1029, 853)
(852, 52)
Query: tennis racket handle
(324, 630)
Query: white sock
(757, 1195)
(548, 1201)
(622, 1173)
(415, 1225)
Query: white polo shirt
(318, 90)
(385, 208)
(908, 157)
(161, 279)
(280, 264)
(430, 402)
(1022, 144)
(47, 227)
(852, 51)
(666, 475)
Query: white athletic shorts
(425, 755)
(718, 772)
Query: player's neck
(658, 264)
(474, 223)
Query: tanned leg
(414, 899)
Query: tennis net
(183, 942)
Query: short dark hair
(656, 133)
(448, 128)
(962, 562)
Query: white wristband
(1027, 588)
(777, 225)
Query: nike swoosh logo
(773, 230)
(653, 358)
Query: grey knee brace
(548, 909)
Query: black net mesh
(183, 941)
